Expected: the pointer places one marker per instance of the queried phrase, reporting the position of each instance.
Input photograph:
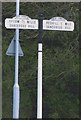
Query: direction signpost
(25, 22)
(39, 76)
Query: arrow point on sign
(11, 49)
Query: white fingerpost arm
(16, 86)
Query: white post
(16, 86)
(39, 82)
(39, 90)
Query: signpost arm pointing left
(16, 86)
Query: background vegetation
(60, 63)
